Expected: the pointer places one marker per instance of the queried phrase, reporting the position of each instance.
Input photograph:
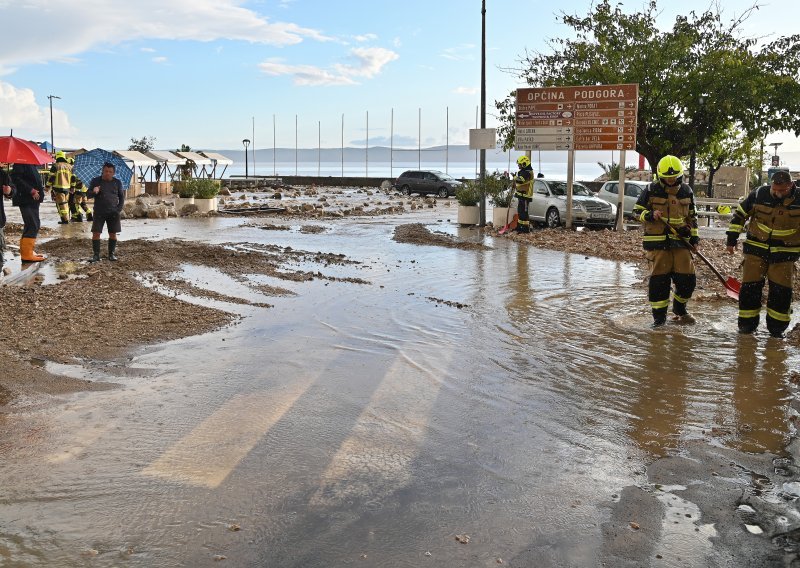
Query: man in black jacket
(108, 202)
(7, 189)
(30, 193)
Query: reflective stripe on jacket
(677, 208)
(773, 230)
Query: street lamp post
(52, 144)
(246, 143)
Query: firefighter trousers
(670, 266)
(523, 222)
(62, 204)
(779, 297)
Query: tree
(729, 147)
(695, 80)
(143, 144)
(611, 171)
(184, 148)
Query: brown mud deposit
(102, 311)
(418, 234)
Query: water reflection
(760, 396)
(659, 406)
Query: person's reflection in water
(760, 397)
(658, 413)
(521, 303)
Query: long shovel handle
(694, 249)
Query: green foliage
(469, 194)
(696, 79)
(184, 148)
(143, 144)
(497, 187)
(204, 188)
(183, 189)
(612, 170)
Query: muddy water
(379, 425)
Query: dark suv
(426, 181)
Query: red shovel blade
(732, 287)
(510, 227)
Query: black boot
(112, 247)
(96, 251)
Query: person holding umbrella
(29, 195)
(109, 198)
(7, 188)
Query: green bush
(183, 189)
(200, 188)
(497, 187)
(469, 194)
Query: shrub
(497, 187)
(469, 194)
(200, 188)
(183, 189)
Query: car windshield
(560, 188)
(444, 177)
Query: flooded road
(378, 424)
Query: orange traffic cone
(26, 250)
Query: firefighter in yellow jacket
(60, 183)
(665, 203)
(771, 248)
(523, 182)
(79, 205)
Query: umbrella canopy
(90, 165)
(18, 151)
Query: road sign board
(600, 117)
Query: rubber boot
(96, 251)
(89, 216)
(27, 254)
(112, 247)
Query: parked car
(610, 192)
(549, 205)
(427, 181)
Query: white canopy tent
(137, 160)
(197, 162)
(167, 164)
(217, 160)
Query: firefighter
(669, 201)
(78, 199)
(59, 182)
(771, 248)
(524, 193)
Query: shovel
(510, 225)
(732, 285)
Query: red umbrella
(18, 151)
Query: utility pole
(52, 144)
(483, 112)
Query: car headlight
(578, 207)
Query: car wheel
(552, 218)
(442, 192)
(405, 190)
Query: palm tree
(611, 170)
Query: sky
(210, 73)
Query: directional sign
(597, 117)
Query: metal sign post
(621, 195)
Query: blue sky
(199, 71)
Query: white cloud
(463, 52)
(95, 24)
(365, 37)
(368, 62)
(397, 42)
(147, 49)
(465, 90)
(159, 59)
(20, 111)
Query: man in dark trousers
(30, 194)
(7, 189)
(771, 249)
(108, 201)
(524, 193)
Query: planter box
(206, 205)
(157, 188)
(500, 217)
(181, 202)
(469, 214)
